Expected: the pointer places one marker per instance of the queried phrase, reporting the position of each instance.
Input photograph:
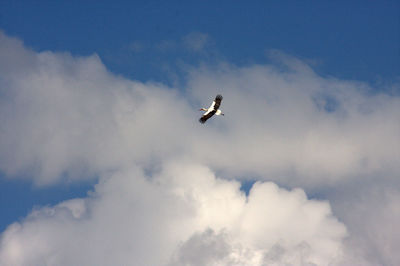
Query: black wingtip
(202, 120)
(219, 97)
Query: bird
(212, 110)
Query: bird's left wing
(217, 102)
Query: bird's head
(202, 109)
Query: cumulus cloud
(65, 113)
(68, 116)
(184, 215)
(158, 201)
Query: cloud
(196, 41)
(291, 122)
(67, 116)
(174, 218)
(166, 45)
(371, 212)
(136, 47)
(158, 200)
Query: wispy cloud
(166, 46)
(137, 46)
(196, 41)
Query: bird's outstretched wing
(206, 116)
(217, 102)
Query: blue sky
(351, 40)
(346, 43)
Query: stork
(213, 110)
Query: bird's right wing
(206, 116)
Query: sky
(103, 160)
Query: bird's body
(212, 110)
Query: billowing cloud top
(183, 216)
(166, 194)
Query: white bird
(213, 110)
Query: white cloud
(287, 123)
(182, 215)
(68, 117)
(66, 114)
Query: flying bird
(213, 110)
